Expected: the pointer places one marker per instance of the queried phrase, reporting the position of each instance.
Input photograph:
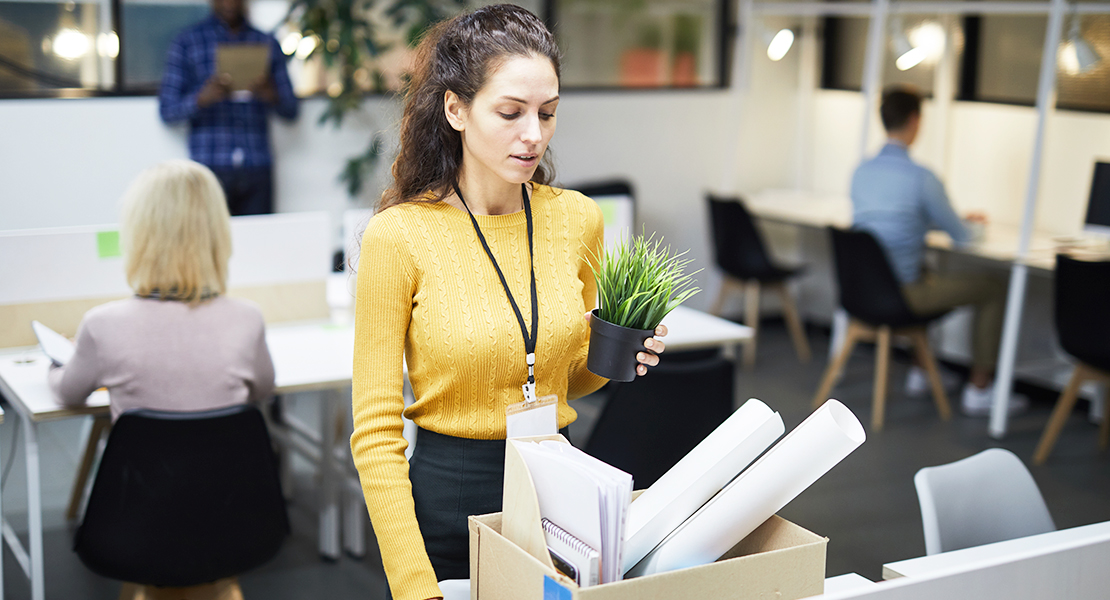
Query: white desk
(990, 554)
(307, 356)
(689, 329)
(809, 209)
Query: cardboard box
(779, 560)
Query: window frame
(726, 28)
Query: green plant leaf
(640, 280)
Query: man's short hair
(899, 104)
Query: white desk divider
(1069, 563)
(54, 275)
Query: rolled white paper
(828, 435)
(685, 487)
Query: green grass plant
(639, 281)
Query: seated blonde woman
(179, 344)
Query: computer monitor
(1098, 205)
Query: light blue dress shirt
(899, 201)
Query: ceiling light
(780, 44)
(1077, 56)
(928, 36)
(70, 44)
(907, 55)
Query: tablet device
(245, 63)
(54, 345)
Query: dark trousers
(249, 190)
(453, 478)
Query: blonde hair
(176, 232)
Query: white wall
(67, 162)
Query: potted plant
(638, 283)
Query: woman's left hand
(655, 347)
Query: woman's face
(507, 127)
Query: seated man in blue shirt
(229, 133)
(899, 201)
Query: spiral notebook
(572, 557)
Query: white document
(685, 487)
(828, 435)
(581, 494)
(55, 346)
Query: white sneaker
(917, 381)
(976, 402)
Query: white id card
(532, 418)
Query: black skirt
(453, 478)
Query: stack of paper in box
(705, 532)
(583, 503)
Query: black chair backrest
(184, 498)
(1083, 310)
(736, 240)
(869, 291)
(649, 424)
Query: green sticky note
(608, 210)
(107, 244)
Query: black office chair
(184, 498)
(1083, 324)
(872, 297)
(649, 424)
(743, 257)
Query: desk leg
(354, 506)
(329, 492)
(34, 508)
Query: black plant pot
(613, 349)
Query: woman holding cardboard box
(476, 273)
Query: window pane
(1009, 58)
(913, 46)
(148, 29)
(1089, 89)
(651, 43)
(49, 45)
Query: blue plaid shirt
(225, 134)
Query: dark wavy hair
(458, 55)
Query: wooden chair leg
(794, 324)
(100, 425)
(1064, 406)
(920, 339)
(728, 285)
(751, 319)
(882, 363)
(832, 373)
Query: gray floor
(866, 506)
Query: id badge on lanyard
(533, 416)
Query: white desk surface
(846, 582)
(310, 355)
(1007, 551)
(813, 209)
(690, 329)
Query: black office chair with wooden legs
(873, 299)
(743, 258)
(184, 500)
(1083, 324)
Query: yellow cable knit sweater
(428, 294)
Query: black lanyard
(529, 340)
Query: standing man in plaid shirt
(229, 133)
